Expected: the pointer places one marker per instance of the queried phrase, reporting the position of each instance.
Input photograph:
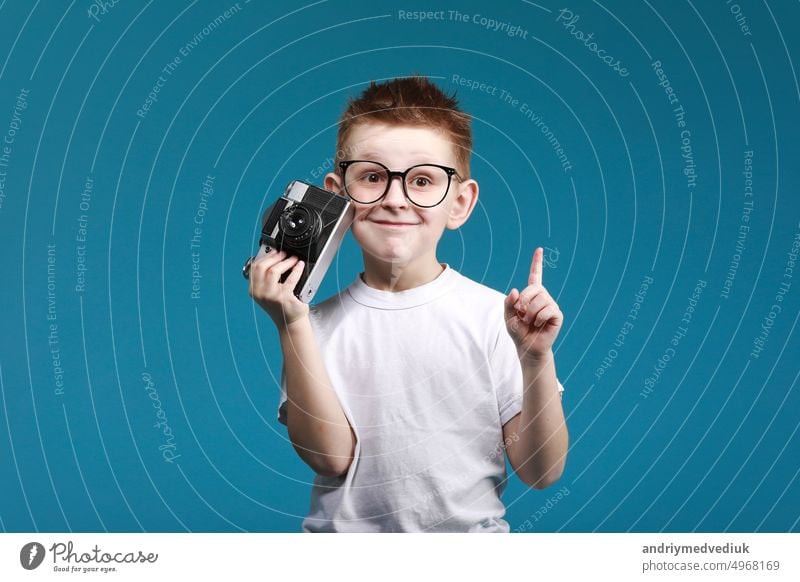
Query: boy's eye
(426, 179)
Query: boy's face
(416, 231)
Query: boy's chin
(389, 255)
(391, 251)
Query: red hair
(412, 101)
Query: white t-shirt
(426, 377)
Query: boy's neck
(400, 277)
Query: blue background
(254, 103)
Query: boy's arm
(538, 452)
(317, 426)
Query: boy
(403, 390)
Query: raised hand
(533, 318)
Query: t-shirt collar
(371, 297)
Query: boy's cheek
(360, 215)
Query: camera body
(307, 222)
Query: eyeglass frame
(344, 164)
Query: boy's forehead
(372, 140)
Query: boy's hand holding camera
(318, 428)
(276, 298)
(533, 318)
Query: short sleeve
(507, 376)
(283, 398)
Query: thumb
(510, 300)
(511, 315)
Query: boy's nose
(395, 197)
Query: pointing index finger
(536, 267)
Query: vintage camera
(307, 222)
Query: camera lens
(295, 221)
(299, 225)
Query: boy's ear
(463, 204)
(332, 182)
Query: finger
(529, 294)
(294, 276)
(544, 315)
(264, 262)
(281, 267)
(260, 264)
(511, 298)
(508, 303)
(535, 306)
(535, 278)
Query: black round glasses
(425, 185)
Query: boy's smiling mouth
(394, 224)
